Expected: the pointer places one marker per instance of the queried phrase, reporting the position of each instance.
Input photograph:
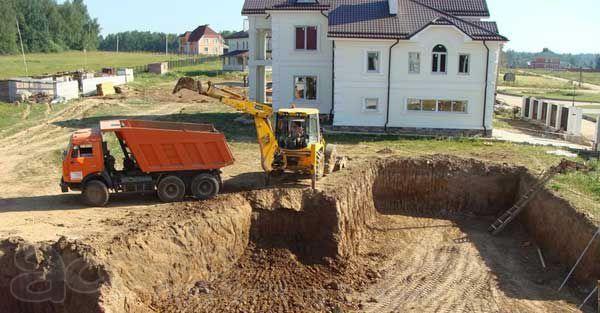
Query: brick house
(202, 40)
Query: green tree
(597, 62)
(8, 28)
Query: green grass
(530, 81)
(14, 118)
(44, 63)
(555, 94)
(591, 78)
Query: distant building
(545, 62)
(236, 55)
(202, 40)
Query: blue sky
(562, 25)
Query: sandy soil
(438, 265)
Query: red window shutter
(300, 38)
(311, 38)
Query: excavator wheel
(95, 193)
(171, 189)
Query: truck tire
(205, 186)
(171, 189)
(95, 193)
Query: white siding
(288, 62)
(353, 84)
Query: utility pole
(22, 49)
(117, 43)
(166, 44)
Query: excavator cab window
(297, 132)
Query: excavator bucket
(207, 89)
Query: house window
(463, 64)
(438, 62)
(373, 62)
(305, 88)
(428, 105)
(371, 104)
(306, 38)
(414, 62)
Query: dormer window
(438, 60)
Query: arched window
(438, 61)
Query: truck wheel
(171, 189)
(95, 193)
(205, 186)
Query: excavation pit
(393, 234)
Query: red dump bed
(167, 146)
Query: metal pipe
(332, 81)
(588, 297)
(389, 84)
(487, 71)
(579, 260)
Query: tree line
(46, 26)
(138, 41)
(515, 59)
(143, 41)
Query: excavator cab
(297, 129)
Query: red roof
(201, 31)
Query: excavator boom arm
(262, 114)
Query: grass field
(532, 81)
(553, 94)
(591, 78)
(531, 84)
(43, 63)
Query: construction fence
(183, 62)
(554, 116)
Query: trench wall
(444, 187)
(561, 231)
(126, 274)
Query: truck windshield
(65, 152)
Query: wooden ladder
(518, 207)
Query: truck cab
(83, 157)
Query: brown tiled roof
(261, 6)
(371, 18)
(459, 7)
(236, 53)
(202, 31)
(185, 35)
(238, 35)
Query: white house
(236, 56)
(396, 65)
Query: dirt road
(31, 204)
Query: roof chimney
(393, 7)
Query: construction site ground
(412, 264)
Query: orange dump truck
(171, 159)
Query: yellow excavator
(296, 143)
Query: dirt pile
(407, 227)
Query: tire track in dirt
(432, 271)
